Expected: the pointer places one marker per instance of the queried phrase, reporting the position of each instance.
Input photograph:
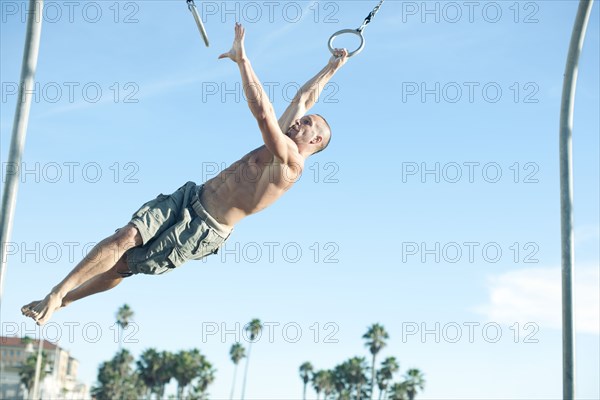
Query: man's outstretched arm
(309, 93)
(280, 145)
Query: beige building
(60, 381)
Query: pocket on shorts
(179, 255)
(176, 258)
(149, 205)
(208, 245)
(196, 240)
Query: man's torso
(247, 186)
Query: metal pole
(566, 195)
(17, 144)
(38, 370)
(198, 19)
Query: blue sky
(435, 208)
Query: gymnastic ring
(353, 31)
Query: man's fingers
(224, 55)
(340, 52)
(239, 31)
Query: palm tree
(148, 367)
(349, 378)
(237, 352)
(398, 391)
(355, 370)
(27, 371)
(117, 379)
(306, 370)
(165, 372)
(124, 316)
(323, 382)
(375, 336)
(415, 381)
(381, 381)
(187, 366)
(205, 376)
(389, 367)
(340, 382)
(253, 328)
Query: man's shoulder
(264, 157)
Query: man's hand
(339, 58)
(237, 52)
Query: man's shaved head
(326, 131)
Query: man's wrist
(333, 68)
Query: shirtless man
(196, 220)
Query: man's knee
(127, 237)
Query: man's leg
(96, 269)
(99, 283)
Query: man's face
(304, 129)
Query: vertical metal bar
(566, 194)
(35, 395)
(17, 144)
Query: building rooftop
(7, 341)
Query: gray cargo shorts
(174, 228)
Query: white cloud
(534, 295)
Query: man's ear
(317, 139)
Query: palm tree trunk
(233, 383)
(304, 392)
(380, 393)
(372, 377)
(246, 371)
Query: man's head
(311, 133)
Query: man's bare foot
(41, 311)
(27, 310)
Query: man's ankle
(58, 292)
